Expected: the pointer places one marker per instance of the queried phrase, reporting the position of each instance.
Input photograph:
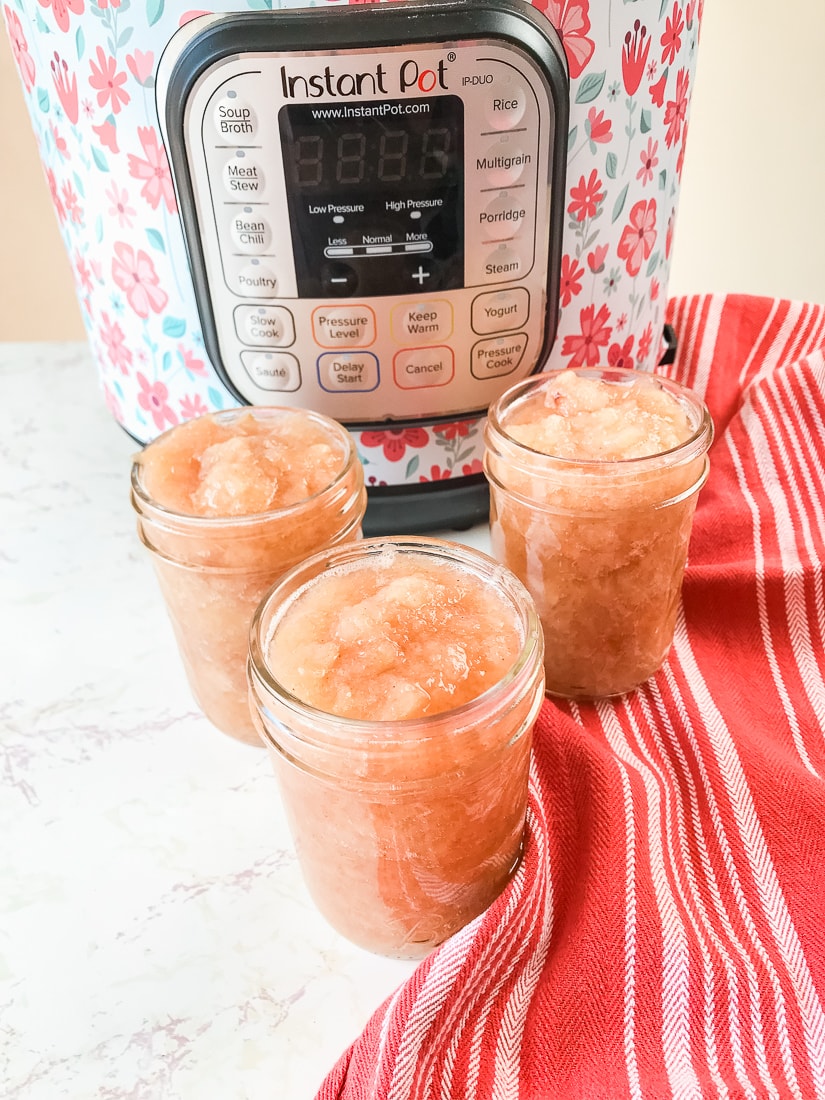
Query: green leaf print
(590, 87)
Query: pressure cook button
(497, 358)
(502, 219)
(250, 231)
(272, 370)
(255, 280)
(500, 311)
(506, 103)
(505, 162)
(243, 177)
(504, 263)
(266, 326)
(420, 368)
(348, 372)
(235, 120)
(344, 326)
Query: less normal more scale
(372, 202)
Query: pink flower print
(103, 4)
(586, 196)
(61, 9)
(191, 363)
(66, 89)
(619, 355)
(108, 82)
(598, 127)
(20, 48)
(59, 142)
(595, 333)
(153, 397)
(672, 38)
(596, 258)
(154, 169)
(71, 203)
(120, 208)
(690, 10)
(112, 336)
(645, 341)
(457, 430)
(437, 474)
(638, 236)
(193, 13)
(657, 90)
(84, 275)
(676, 109)
(571, 19)
(51, 180)
(474, 467)
(112, 403)
(621, 323)
(669, 234)
(141, 64)
(649, 162)
(107, 132)
(571, 276)
(135, 274)
(193, 406)
(634, 57)
(395, 441)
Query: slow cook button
(344, 326)
(497, 358)
(250, 231)
(348, 372)
(235, 120)
(266, 326)
(420, 368)
(243, 177)
(500, 311)
(272, 370)
(255, 280)
(422, 322)
(502, 219)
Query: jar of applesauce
(396, 683)
(227, 503)
(594, 476)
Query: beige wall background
(752, 211)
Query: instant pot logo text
(410, 77)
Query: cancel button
(420, 368)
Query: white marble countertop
(156, 939)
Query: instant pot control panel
(372, 200)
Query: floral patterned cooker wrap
(87, 68)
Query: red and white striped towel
(665, 934)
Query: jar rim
(365, 732)
(147, 506)
(696, 444)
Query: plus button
(421, 275)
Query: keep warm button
(496, 358)
(419, 368)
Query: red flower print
(71, 204)
(61, 9)
(120, 208)
(571, 276)
(84, 275)
(596, 258)
(141, 64)
(586, 196)
(66, 89)
(669, 234)
(619, 355)
(112, 335)
(672, 38)
(135, 274)
(598, 127)
(193, 365)
(634, 57)
(653, 293)
(395, 441)
(107, 132)
(645, 341)
(690, 9)
(458, 429)
(153, 397)
(638, 236)
(676, 109)
(474, 467)
(20, 48)
(595, 333)
(649, 161)
(193, 406)
(437, 474)
(108, 82)
(571, 19)
(154, 169)
(657, 90)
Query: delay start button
(497, 358)
(348, 372)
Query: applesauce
(226, 503)
(594, 476)
(396, 683)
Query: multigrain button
(504, 162)
(243, 177)
(272, 370)
(254, 280)
(344, 326)
(235, 120)
(502, 219)
(420, 368)
(422, 322)
(266, 326)
(500, 311)
(497, 358)
(348, 372)
(250, 231)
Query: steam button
(503, 264)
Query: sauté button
(272, 370)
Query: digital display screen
(376, 195)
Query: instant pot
(387, 212)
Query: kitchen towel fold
(665, 933)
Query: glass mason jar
(213, 571)
(405, 829)
(600, 544)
